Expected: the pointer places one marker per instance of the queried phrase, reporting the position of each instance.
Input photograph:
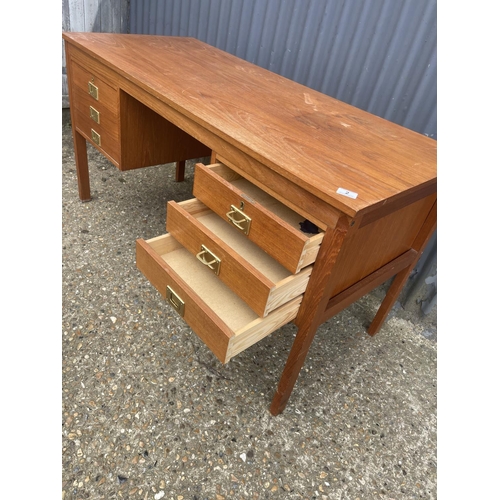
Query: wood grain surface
(316, 141)
(276, 237)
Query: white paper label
(345, 192)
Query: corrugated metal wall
(101, 16)
(379, 55)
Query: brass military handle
(95, 136)
(214, 262)
(239, 219)
(94, 91)
(175, 301)
(95, 115)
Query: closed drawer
(222, 320)
(96, 113)
(261, 218)
(102, 95)
(262, 282)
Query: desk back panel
(149, 139)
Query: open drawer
(261, 218)
(262, 282)
(222, 320)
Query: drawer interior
(272, 204)
(233, 311)
(224, 303)
(248, 250)
(218, 316)
(270, 224)
(257, 278)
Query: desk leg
(180, 168)
(82, 166)
(399, 281)
(312, 308)
(389, 299)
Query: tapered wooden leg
(294, 363)
(82, 166)
(389, 300)
(399, 281)
(180, 168)
(312, 308)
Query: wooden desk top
(316, 141)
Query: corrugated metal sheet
(379, 55)
(101, 16)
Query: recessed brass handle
(175, 301)
(239, 219)
(214, 262)
(95, 137)
(94, 114)
(94, 91)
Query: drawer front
(221, 319)
(262, 222)
(93, 86)
(246, 269)
(95, 106)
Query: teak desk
(243, 257)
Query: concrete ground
(148, 412)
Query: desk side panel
(376, 244)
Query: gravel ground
(148, 412)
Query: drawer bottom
(218, 316)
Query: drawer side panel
(259, 330)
